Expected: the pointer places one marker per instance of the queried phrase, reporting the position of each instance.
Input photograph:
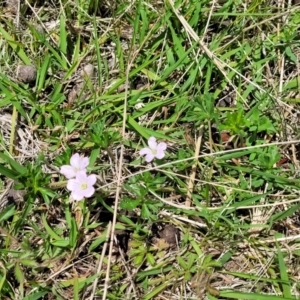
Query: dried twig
(101, 261)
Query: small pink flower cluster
(79, 183)
(155, 150)
(82, 186)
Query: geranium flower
(82, 185)
(154, 151)
(77, 163)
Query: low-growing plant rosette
(155, 150)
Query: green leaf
(145, 211)
(145, 132)
(60, 59)
(8, 173)
(156, 291)
(2, 278)
(284, 214)
(182, 262)
(61, 243)
(18, 47)
(291, 55)
(42, 72)
(177, 47)
(192, 258)
(94, 156)
(100, 240)
(83, 281)
(18, 273)
(35, 295)
(63, 35)
(129, 204)
(73, 233)
(49, 230)
(286, 286)
(7, 212)
(157, 270)
(29, 262)
(76, 288)
(19, 108)
(138, 259)
(15, 165)
(150, 258)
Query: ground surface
(218, 216)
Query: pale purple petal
(78, 194)
(83, 163)
(91, 180)
(68, 171)
(149, 154)
(72, 184)
(149, 157)
(160, 150)
(152, 142)
(89, 192)
(161, 146)
(81, 176)
(82, 185)
(75, 161)
(160, 154)
(145, 151)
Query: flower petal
(161, 146)
(72, 184)
(67, 171)
(84, 162)
(160, 154)
(81, 176)
(89, 192)
(152, 142)
(75, 161)
(78, 195)
(145, 151)
(149, 157)
(91, 180)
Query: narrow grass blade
(16, 46)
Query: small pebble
(26, 74)
(87, 71)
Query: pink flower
(154, 151)
(78, 163)
(82, 186)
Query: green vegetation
(217, 217)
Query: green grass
(218, 82)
